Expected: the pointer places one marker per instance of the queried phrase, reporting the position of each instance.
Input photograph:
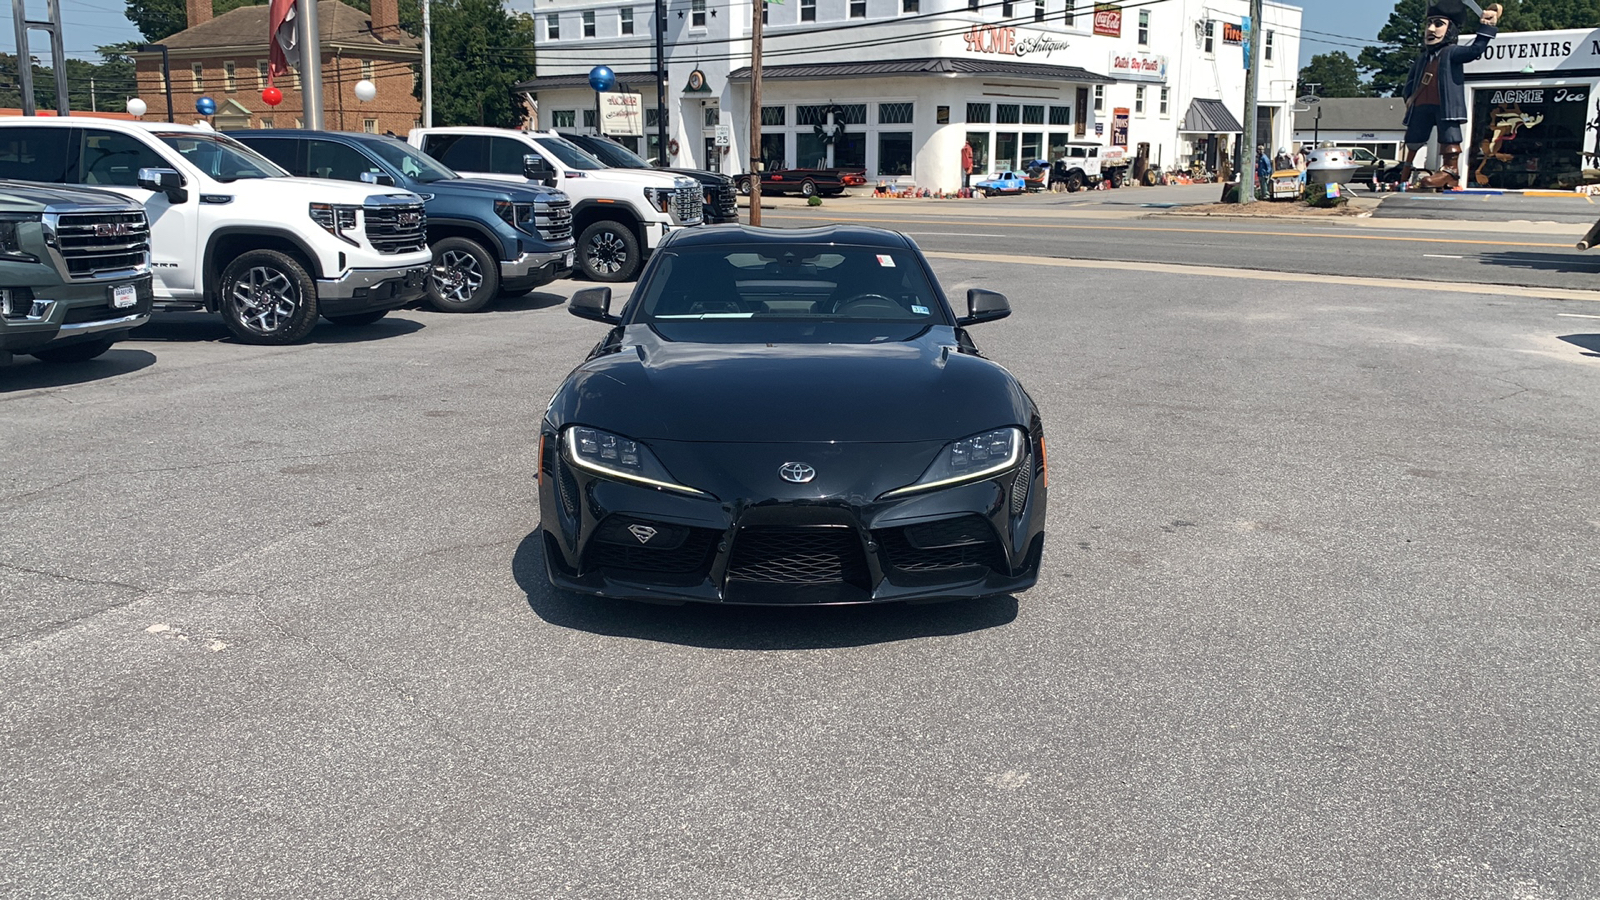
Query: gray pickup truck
(74, 271)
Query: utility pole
(661, 82)
(310, 36)
(1252, 84)
(754, 178)
(427, 65)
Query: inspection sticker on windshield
(885, 260)
(920, 310)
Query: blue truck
(488, 238)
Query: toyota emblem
(796, 472)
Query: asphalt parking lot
(1316, 621)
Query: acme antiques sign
(1003, 40)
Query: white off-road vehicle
(618, 215)
(1085, 164)
(230, 232)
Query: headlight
(11, 242)
(660, 198)
(336, 219)
(618, 457)
(517, 215)
(970, 459)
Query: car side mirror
(594, 304)
(165, 181)
(379, 178)
(537, 168)
(984, 306)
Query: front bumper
(541, 268)
(361, 290)
(968, 541)
(73, 313)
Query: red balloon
(272, 96)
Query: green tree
(90, 86)
(1540, 15)
(1335, 75)
(479, 51)
(1399, 42)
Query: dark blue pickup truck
(488, 237)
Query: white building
(910, 81)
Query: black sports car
(790, 417)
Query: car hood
(498, 190)
(918, 390)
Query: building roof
(1354, 114)
(246, 26)
(627, 82)
(934, 66)
(1209, 117)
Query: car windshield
(571, 155)
(615, 155)
(221, 157)
(788, 293)
(410, 161)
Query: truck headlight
(336, 219)
(970, 459)
(517, 215)
(11, 241)
(660, 198)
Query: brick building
(225, 58)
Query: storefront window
(564, 118)
(809, 151)
(772, 115)
(894, 153)
(850, 150)
(894, 113)
(1007, 113)
(1060, 115)
(1032, 145)
(772, 155)
(978, 112)
(979, 142)
(1033, 115)
(1058, 144)
(1005, 150)
(1527, 137)
(807, 116)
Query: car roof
(81, 120)
(358, 136)
(861, 235)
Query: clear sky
(88, 24)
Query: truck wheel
(608, 251)
(366, 318)
(74, 352)
(465, 277)
(268, 298)
(808, 188)
(1115, 178)
(1074, 182)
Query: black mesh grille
(937, 546)
(398, 228)
(566, 486)
(1021, 484)
(817, 555)
(672, 549)
(103, 242)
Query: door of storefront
(1080, 113)
(979, 141)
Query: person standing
(966, 164)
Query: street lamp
(166, 72)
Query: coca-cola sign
(1108, 19)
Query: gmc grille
(97, 243)
(688, 205)
(553, 219)
(398, 228)
(723, 198)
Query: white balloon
(136, 107)
(365, 90)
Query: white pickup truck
(618, 215)
(1085, 163)
(230, 232)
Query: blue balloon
(601, 78)
(205, 106)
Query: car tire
(353, 319)
(464, 277)
(1115, 179)
(608, 251)
(81, 352)
(268, 298)
(743, 186)
(808, 188)
(1074, 182)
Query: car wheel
(1074, 182)
(465, 277)
(608, 251)
(1115, 178)
(808, 188)
(366, 318)
(268, 298)
(743, 186)
(74, 352)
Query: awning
(1209, 117)
(936, 66)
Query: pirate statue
(1436, 98)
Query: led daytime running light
(571, 440)
(965, 477)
